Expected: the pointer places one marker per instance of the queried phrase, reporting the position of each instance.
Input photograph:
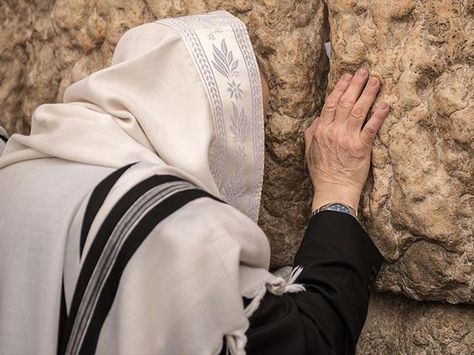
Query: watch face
(338, 207)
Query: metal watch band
(336, 206)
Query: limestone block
(46, 45)
(397, 325)
(419, 204)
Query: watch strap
(337, 207)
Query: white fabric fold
(181, 97)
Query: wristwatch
(338, 207)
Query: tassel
(280, 286)
(253, 305)
(236, 342)
(291, 286)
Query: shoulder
(148, 200)
(138, 195)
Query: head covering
(180, 92)
(181, 97)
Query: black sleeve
(340, 263)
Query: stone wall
(396, 325)
(418, 205)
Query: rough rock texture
(420, 203)
(397, 325)
(47, 45)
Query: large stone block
(397, 325)
(47, 45)
(419, 203)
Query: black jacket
(340, 264)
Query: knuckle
(370, 131)
(342, 84)
(359, 80)
(357, 113)
(346, 102)
(331, 104)
(368, 137)
(368, 97)
(371, 91)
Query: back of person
(129, 215)
(48, 193)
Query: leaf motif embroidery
(236, 181)
(219, 62)
(224, 61)
(224, 47)
(240, 126)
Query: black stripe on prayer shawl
(5, 139)
(62, 314)
(132, 243)
(99, 243)
(96, 201)
(97, 248)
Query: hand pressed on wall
(338, 145)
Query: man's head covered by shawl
(183, 92)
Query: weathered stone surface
(397, 325)
(47, 45)
(420, 203)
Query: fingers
(350, 97)
(362, 106)
(371, 128)
(330, 106)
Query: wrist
(336, 207)
(347, 196)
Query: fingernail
(373, 81)
(384, 106)
(362, 72)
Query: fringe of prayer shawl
(237, 340)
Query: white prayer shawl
(181, 98)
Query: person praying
(129, 214)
